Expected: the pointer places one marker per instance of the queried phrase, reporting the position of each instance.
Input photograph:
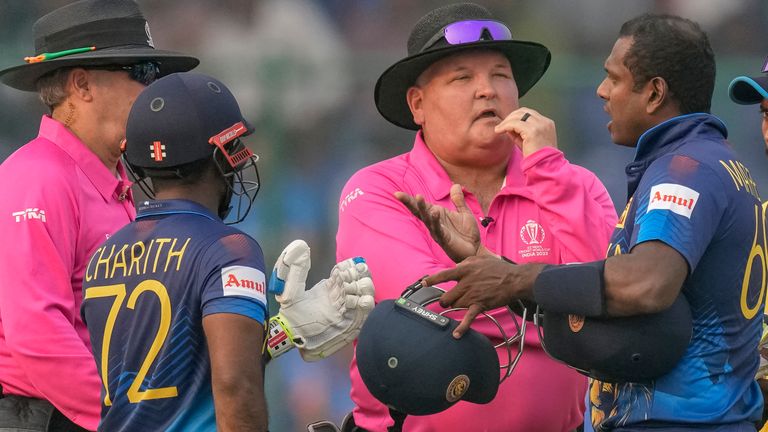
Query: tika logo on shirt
(29, 214)
(350, 196)
(244, 281)
(158, 151)
(677, 198)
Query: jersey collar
(108, 185)
(667, 137)
(173, 206)
(436, 178)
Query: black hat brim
(529, 61)
(748, 90)
(24, 77)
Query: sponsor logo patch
(150, 42)
(576, 323)
(674, 197)
(350, 197)
(532, 233)
(158, 151)
(457, 388)
(244, 281)
(29, 214)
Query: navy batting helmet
(187, 117)
(410, 361)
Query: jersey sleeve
(562, 190)
(395, 244)
(235, 282)
(679, 202)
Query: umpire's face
(101, 101)
(458, 101)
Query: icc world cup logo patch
(532, 233)
(457, 388)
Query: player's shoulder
(39, 174)
(39, 158)
(226, 239)
(717, 174)
(693, 163)
(584, 173)
(380, 173)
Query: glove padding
(328, 316)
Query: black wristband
(517, 306)
(577, 289)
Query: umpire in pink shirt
(458, 88)
(61, 195)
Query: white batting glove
(325, 318)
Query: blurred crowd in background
(304, 72)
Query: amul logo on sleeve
(29, 214)
(244, 281)
(677, 198)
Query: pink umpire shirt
(548, 210)
(58, 202)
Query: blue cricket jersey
(147, 289)
(688, 190)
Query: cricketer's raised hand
(325, 318)
(455, 231)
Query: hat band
(468, 31)
(101, 34)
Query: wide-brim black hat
(116, 29)
(529, 60)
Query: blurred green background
(304, 71)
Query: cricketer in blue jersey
(148, 289)
(689, 190)
(745, 90)
(689, 254)
(175, 302)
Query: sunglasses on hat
(461, 32)
(145, 72)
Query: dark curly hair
(677, 50)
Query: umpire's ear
(415, 99)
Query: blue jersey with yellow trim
(689, 191)
(147, 289)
